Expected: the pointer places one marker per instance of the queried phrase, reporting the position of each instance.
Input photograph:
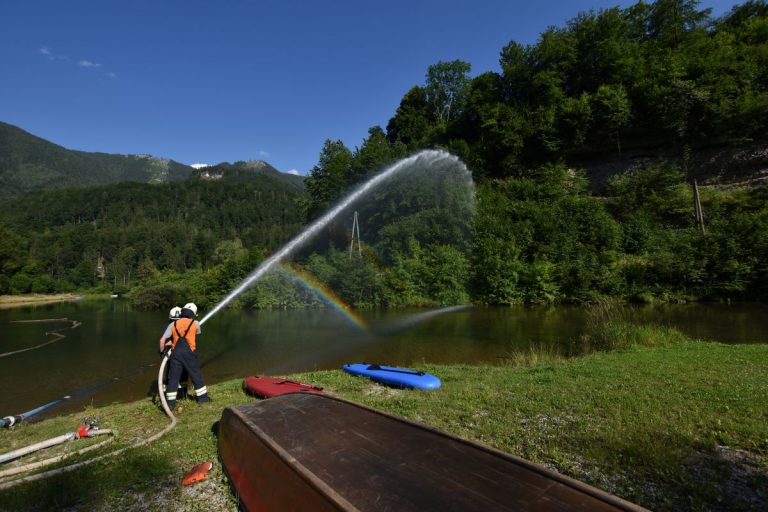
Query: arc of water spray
(430, 157)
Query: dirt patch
(13, 301)
(213, 494)
(741, 477)
(380, 391)
(739, 164)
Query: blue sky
(206, 82)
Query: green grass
(679, 426)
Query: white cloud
(295, 172)
(44, 50)
(199, 166)
(263, 153)
(83, 63)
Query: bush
(159, 296)
(21, 283)
(43, 284)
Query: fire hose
(6, 483)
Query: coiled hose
(6, 483)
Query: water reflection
(112, 355)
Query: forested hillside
(656, 88)
(652, 75)
(120, 235)
(29, 163)
(664, 79)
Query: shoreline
(569, 415)
(32, 299)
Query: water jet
(428, 159)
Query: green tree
(612, 109)
(147, 269)
(13, 251)
(446, 87)
(576, 118)
(412, 120)
(330, 177)
(21, 283)
(670, 20)
(516, 67)
(606, 52)
(373, 155)
(229, 250)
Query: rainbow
(325, 294)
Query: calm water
(112, 356)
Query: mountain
(29, 163)
(244, 171)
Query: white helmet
(191, 306)
(175, 313)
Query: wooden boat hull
(311, 452)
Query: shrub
(159, 296)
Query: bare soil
(12, 301)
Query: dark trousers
(183, 384)
(182, 359)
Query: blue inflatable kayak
(393, 376)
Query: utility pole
(697, 207)
(355, 234)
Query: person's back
(186, 328)
(183, 357)
(165, 341)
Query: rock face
(246, 171)
(743, 163)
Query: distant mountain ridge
(29, 163)
(245, 170)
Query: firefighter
(184, 332)
(167, 337)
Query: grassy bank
(680, 426)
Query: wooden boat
(313, 452)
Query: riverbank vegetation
(679, 425)
(651, 89)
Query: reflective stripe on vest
(181, 326)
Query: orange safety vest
(184, 327)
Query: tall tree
(612, 109)
(670, 20)
(515, 65)
(605, 52)
(373, 155)
(412, 119)
(329, 178)
(447, 83)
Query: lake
(113, 356)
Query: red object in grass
(197, 473)
(82, 431)
(267, 387)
